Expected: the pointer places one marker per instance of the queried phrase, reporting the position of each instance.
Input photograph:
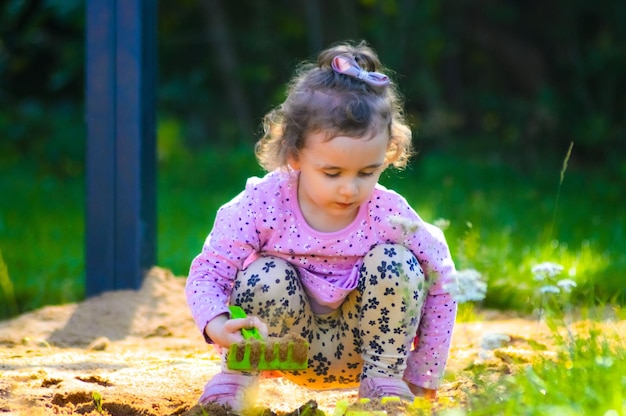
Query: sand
(139, 353)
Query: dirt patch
(131, 353)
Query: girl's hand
(225, 331)
(429, 394)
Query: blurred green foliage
(41, 84)
(507, 78)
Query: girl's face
(337, 176)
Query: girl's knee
(269, 288)
(393, 252)
(265, 277)
(395, 259)
(268, 265)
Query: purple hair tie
(347, 65)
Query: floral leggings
(369, 335)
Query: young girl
(318, 247)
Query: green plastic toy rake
(289, 353)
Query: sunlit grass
(191, 189)
(6, 286)
(586, 377)
(468, 312)
(41, 237)
(582, 373)
(500, 222)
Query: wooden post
(121, 143)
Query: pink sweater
(266, 219)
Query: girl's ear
(293, 162)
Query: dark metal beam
(121, 143)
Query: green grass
(41, 238)
(501, 222)
(585, 378)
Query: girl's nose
(349, 188)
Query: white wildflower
(441, 223)
(406, 225)
(549, 289)
(492, 341)
(566, 284)
(545, 270)
(465, 286)
(604, 361)
(485, 354)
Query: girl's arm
(212, 273)
(427, 362)
(430, 394)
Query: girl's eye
(336, 175)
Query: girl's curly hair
(322, 100)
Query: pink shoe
(233, 389)
(378, 387)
